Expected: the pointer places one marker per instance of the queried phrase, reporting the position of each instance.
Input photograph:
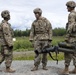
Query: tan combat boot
(35, 68)
(44, 68)
(9, 70)
(73, 71)
(65, 71)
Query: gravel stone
(24, 68)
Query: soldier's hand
(11, 47)
(66, 26)
(67, 38)
(74, 28)
(50, 40)
(31, 40)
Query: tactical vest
(40, 27)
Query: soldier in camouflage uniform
(71, 36)
(6, 41)
(41, 37)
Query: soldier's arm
(66, 26)
(31, 38)
(72, 23)
(11, 30)
(12, 33)
(7, 35)
(72, 17)
(49, 30)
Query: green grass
(22, 44)
(24, 57)
(31, 57)
(60, 56)
(57, 39)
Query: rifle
(62, 47)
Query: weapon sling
(53, 58)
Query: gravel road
(24, 68)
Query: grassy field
(30, 56)
(22, 44)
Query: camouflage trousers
(39, 45)
(68, 57)
(7, 55)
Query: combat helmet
(37, 10)
(71, 4)
(5, 13)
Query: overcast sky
(22, 12)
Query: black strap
(53, 58)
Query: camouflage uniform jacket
(41, 30)
(71, 25)
(6, 33)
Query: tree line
(56, 32)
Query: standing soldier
(6, 41)
(71, 36)
(41, 37)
